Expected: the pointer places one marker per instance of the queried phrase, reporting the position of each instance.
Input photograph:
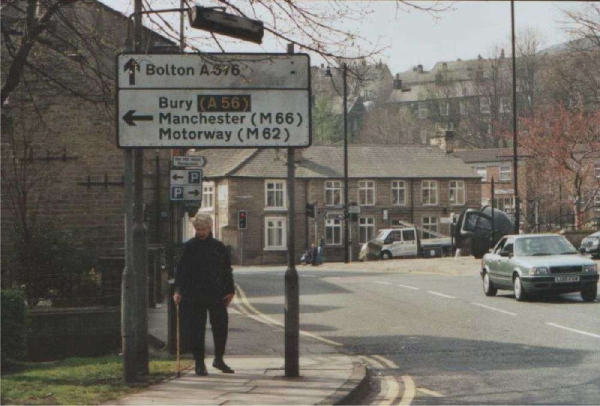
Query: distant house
(416, 184)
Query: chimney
(420, 68)
(445, 66)
(322, 66)
(397, 82)
(444, 139)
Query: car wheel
(488, 287)
(386, 255)
(589, 294)
(520, 294)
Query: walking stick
(178, 345)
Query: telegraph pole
(134, 293)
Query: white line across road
(409, 287)
(585, 333)
(441, 294)
(493, 308)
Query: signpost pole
(492, 233)
(292, 296)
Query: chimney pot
(420, 68)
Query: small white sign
(446, 220)
(189, 161)
(354, 209)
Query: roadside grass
(81, 381)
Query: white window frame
(364, 225)
(505, 174)
(448, 126)
(332, 186)
(331, 223)
(397, 186)
(459, 190)
(484, 105)
(481, 171)
(504, 105)
(283, 223)
(597, 169)
(423, 110)
(504, 203)
(597, 201)
(366, 186)
(444, 108)
(430, 185)
(283, 191)
(429, 225)
(208, 196)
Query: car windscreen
(543, 245)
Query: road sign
(213, 100)
(446, 220)
(189, 161)
(354, 209)
(186, 184)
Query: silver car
(591, 245)
(537, 263)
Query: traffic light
(242, 220)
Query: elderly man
(204, 284)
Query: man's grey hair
(202, 219)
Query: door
(504, 277)
(409, 242)
(395, 243)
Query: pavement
(255, 351)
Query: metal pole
(292, 295)
(560, 215)
(182, 26)
(493, 207)
(242, 248)
(514, 97)
(346, 230)
(128, 279)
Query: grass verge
(80, 380)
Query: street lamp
(345, 96)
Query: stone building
(416, 184)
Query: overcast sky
(413, 37)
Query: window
(366, 193)
(444, 108)
(333, 193)
(457, 192)
(366, 229)
(409, 235)
(505, 173)
(504, 204)
(423, 111)
(429, 192)
(275, 233)
(481, 171)
(333, 232)
(464, 110)
(448, 126)
(484, 105)
(398, 193)
(208, 196)
(275, 194)
(597, 202)
(504, 105)
(597, 169)
(431, 224)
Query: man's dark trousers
(194, 312)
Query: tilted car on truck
(404, 241)
(473, 230)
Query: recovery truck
(404, 241)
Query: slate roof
(327, 162)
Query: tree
(565, 144)
(328, 126)
(385, 126)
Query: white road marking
(255, 314)
(430, 392)
(409, 287)
(585, 333)
(493, 308)
(409, 390)
(392, 387)
(383, 283)
(392, 392)
(441, 294)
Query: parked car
(537, 263)
(591, 245)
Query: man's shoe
(220, 364)
(201, 368)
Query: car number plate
(563, 279)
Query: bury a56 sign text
(213, 100)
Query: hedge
(14, 326)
